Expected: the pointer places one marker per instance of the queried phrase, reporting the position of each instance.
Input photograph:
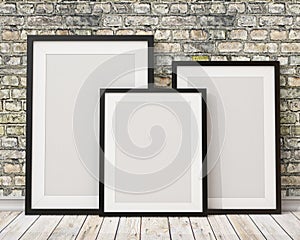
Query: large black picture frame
(275, 83)
(31, 96)
(103, 144)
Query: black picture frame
(276, 66)
(30, 96)
(102, 157)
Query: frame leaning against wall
(197, 204)
(40, 49)
(231, 88)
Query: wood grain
(15, 225)
(155, 228)
(201, 228)
(222, 227)
(68, 228)
(42, 228)
(90, 228)
(108, 228)
(270, 229)
(289, 223)
(245, 227)
(297, 214)
(18, 227)
(129, 228)
(6, 218)
(180, 228)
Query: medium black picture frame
(30, 97)
(276, 83)
(102, 153)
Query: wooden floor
(15, 225)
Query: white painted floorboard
(15, 225)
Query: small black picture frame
(187, 74)
(103, 160)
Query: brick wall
(218, 30)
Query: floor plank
(90, 228)
(18, 226)
(222, 227)
(42, 228)
(108, 228)
(270, 229)
(289, 223)
(68, 227)
(6, 218)
(155, 228)
(297, 214)
(180, 228)
(129, 228)
(201, 228)
(245, 227)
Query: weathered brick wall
(218, 30)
